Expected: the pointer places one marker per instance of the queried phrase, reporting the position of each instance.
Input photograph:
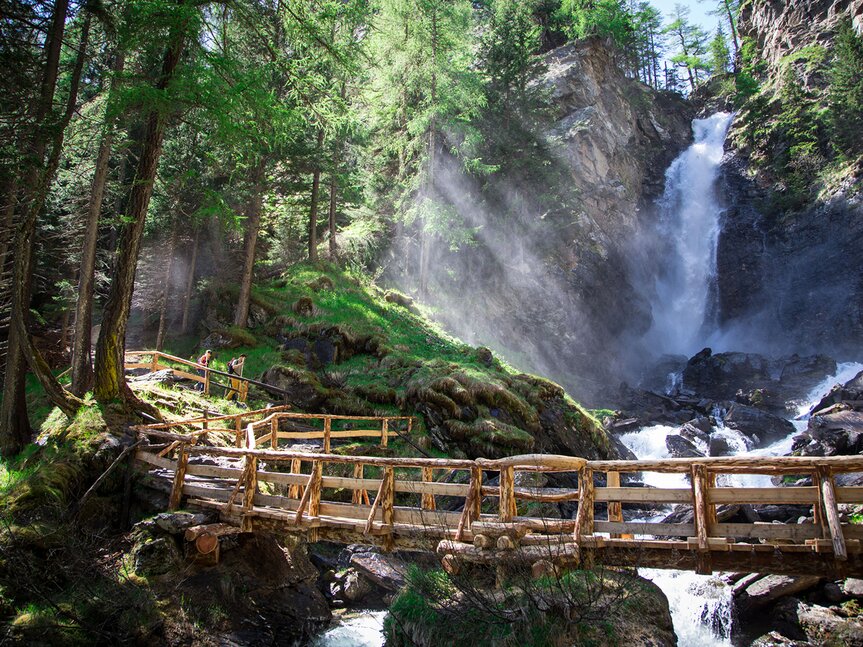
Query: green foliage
(608, 18)
(846, 91)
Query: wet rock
(694, 433)
(385, 570)
(760, 426)
(720, 375)
(801, 374)
(176, 523)
(768, 589)
(354, 587)
(832, 592)
(679, 447)
(853, 587)
(719, 446)
(776, 639)
(851, 391)
(834, 434)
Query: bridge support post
(428, 502)
(328, 424)
(179, 477)
(274, 432)
(584, 516)
(238, 426)
(507, 503)
(615, 508)
(828, 496)
(700, 488)
(249, 493)
(385, 432)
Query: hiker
(203, 360)
(235, 367)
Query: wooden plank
(157, 461)
(795, 532)
(214, 470)
(646, 528)
(643, 495)
(805, 495)
(735, 464)
(319, 434)
(849, 494)
(387, 508)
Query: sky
(698, 11)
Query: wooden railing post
(206, 381)
(428, 502)
(702, 518)
(274, 432)
(238, 425)
(296, 468)
(205, 421)
(179, 477)
(476, 480)
(154, 362)
(388, 507)
(831, 512)
(507, 505)
(584, 516)
(615, 508)
(385, 427)
(328, 421)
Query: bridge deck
(399, 502)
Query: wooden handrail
(303, 501)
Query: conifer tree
(846, 91)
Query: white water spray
(689, 225)
(701, 604)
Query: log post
(179, 477)
(357, 496)
(238, 425)
(207, 381)
(476, 481)
(205, 420)
(385, 432)
(296, 468)
(818, 508)
(315, 497)
(428, 502)
(274, 432)
(615, 509)
(702, 522)
(507, 504)
(328, 423)
(584, 516)
(388, 508)
(831, 512)
(154, 362)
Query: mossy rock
(323, 282)
(303, 389)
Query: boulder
(720, 375)
(399, 298)
(679, 447)
(835, 434)
(302, 388)
(694, 433)
(354, 587)
(385, 570)
(768, 589)
(851, 391)
(853, 587)
(760, 426)
(176, 523)
(718, 446)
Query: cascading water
(689, 226)
(701, 604)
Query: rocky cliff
(549, 282)
(789, 272)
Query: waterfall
(689, 230)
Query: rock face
(551, 277)
(788, 276)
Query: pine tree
(846, 91)
(690, 44)
(719, 53)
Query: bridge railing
(400, 498)
(324, 427)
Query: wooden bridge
(445, 504)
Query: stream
(701, 604)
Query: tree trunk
(190, 284)
(7, 219)
(82, 369)
(110, 382)
(313, 211)
(166, 288)
(253, 223)
(14, 423)
(733, 29)
(332, 216)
